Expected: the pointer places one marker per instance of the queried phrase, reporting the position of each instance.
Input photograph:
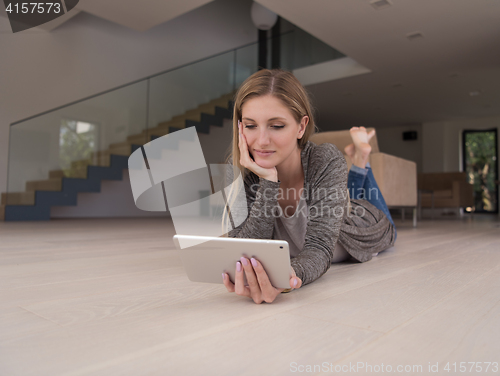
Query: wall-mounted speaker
(409, 136)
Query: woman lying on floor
(297, 191)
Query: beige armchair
(445, 190)
(396, 177)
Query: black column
(276, 43)
(262, 49)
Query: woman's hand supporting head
(247, 162)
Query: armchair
(445, 190)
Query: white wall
(40, 71)
(390, 141)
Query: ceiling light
(263, 18)
(414, 35)
(380, 4)
(475, 93)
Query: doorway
(480, 161)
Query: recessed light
(380, 4)
(414, 35)
(475, 93)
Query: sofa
(396, 177)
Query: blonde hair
(282, 85)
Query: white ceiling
(460, 53)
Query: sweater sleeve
(262, 202)
(327, 176)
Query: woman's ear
(303, 126)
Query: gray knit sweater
(325, 189)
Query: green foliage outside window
(481, 167)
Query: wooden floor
(109, 297)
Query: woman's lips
(263, 153)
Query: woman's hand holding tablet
(259, 287)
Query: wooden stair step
(228, 97)
(80, 165)
(53, 174)
(2, 212)
(159, 131)
(100, 158)
(99, 153)
(207, 109)
(138, 139)
(44, 185)
(167, 124)
(188, 115)
(220, 103)
(78, 172)
(18, 198)
(103, 160)
(121, 148)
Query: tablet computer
(212, 256)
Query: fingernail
(223, 276)
(238, 266)
(254, 261)
(294, 282)
(244, 261)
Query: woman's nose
(264, 137)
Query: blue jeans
(362, 186)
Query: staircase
(62, 187)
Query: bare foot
(360, 149)
(349, 150)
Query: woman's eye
(249, 126)
(278, 126)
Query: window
(480, 158)
(78, 140)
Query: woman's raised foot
(362, 148)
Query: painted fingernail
(223, 276)
(238, 266)
(294, 282)
(254, 262)
(244, 261)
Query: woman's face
(271, 130)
